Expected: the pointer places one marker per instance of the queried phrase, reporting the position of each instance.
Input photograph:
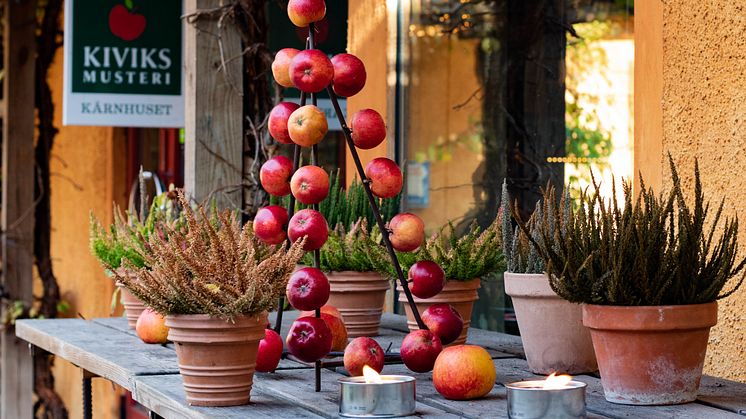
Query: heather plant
(475, 254)
(125, 238)
(211, 265)
(520, 255)
(649, 250)
(348, 249)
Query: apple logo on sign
(124, 24)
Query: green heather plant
(210, 265)
(125, 238)
(475, 254)
(353, 234)
(650, 250)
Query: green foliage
(347, 207)
(348, 250)
(126, 237)
(354, 233)
(476, 254)
(651, 250)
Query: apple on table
(151, 327)
(270, 351)
(464, 372)
(363, 351)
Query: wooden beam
(16, 366)
(214, 106)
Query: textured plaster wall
(704, 116)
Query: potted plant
(358, 291)
(554, 338)
(214, 281)
(465, 259)
(648, 272)
(124, 240)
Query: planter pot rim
(665, 317)
(518, 285)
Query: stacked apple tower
(304, 125)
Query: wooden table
(106, 348)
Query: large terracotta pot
(216, 357)
(650, 355)
(552, 331)
(133, 307)
(359, 297)
(460, 294)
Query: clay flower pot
(359, 297)
(133, 307)
(552, 330)
(216, 357)
(650, 355)
(460, 294)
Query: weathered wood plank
(18, 180)
(724, 394)
(298, 387)
(511, 370)
(108, 353)
(213, 106)
(164, 395)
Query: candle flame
(371, 375)
(556, 382)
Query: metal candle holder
(310, 44)
(394, 396)
(528, 400)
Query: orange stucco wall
(87, 174)
(691, 101)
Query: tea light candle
(374, 395)
(557, 397)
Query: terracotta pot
(460, 294)
(650, 355)
(552, 331)
(216, 357)
(359, 297)
(133, 307)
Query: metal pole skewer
(374, 207)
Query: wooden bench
(106, 348)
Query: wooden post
(16, 366)
(214, 106)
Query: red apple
(270, 351)
(368, 129)
(308, 289)
(278, 121)
(151, 327)
(385, 177)
(407, 232)
(310, 223)
(269, 224)
(419, 349)
(309, 339)
(310, 185)
(125, 24)
(464, 372)
(363, 351)
(444, 321)
(336, 324)
(427, 279)
(311, 71)
(275, 175)
(304, 12)
(281, 66)
(349, 75)
(307, 126)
